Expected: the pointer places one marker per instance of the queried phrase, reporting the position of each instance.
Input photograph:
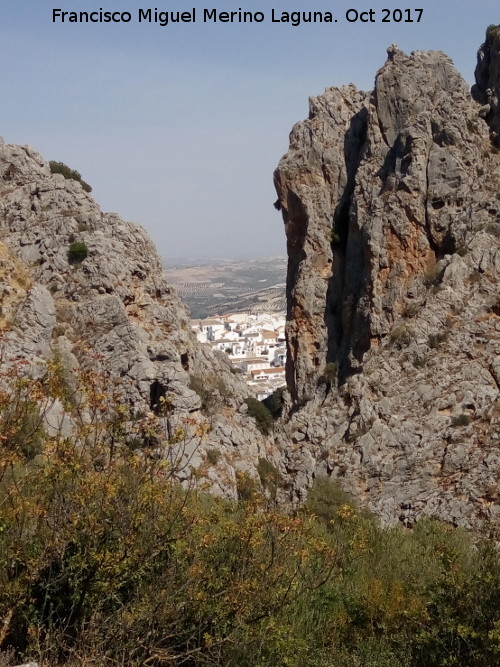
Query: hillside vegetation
(106, 560)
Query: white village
(255, 344)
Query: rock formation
(392, 214)
(487, 88)
(111, 308)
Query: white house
(268, 373)
(254, 363)
(269, 337)
(212, 328)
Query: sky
(180, 127)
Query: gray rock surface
(392, 214)
(113, 311)
(391, 209)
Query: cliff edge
(392, 214)
(88, 287)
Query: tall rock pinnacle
(392, 215)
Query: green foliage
(67, 172)
(261, 414)
(274, 402)
(335, 238)
(330, 373)
(247, 487)
(106, 560)
(77, 252)
(401, 336)
(21, 418)
(211, 389)
(492, 32)
(213, 456)
(461, 420)
(269, 475)
(340, 227)
(325, 499)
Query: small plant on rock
(261, 414)
(461, 420)
(400, 336)
(269, 475)
(67, 172)
(213, 456)
(77, 252)
(274, 402)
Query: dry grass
(16, 279)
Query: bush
(211, 389)
(247, 487)
(261, 414)
(492, 32)
(436, 339)
(77, 252)
(326, 497)
(274, 402)
(432, 277)
(67, 172)
(330, 373)
(401, 336)
(213, 456)
(269, 475)
(411, 310)
(461, 420)
(106, 560)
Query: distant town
(255, 344)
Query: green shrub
(335, 238)
(106, 560)
(461, 420)
(261, 414)
(67, 172)
(246, 487)
(77, 252)
(330, 372)
(340, 225)
(274, 402)
(212, 390)
(325, 498)
(269, 475)
(213, 456)
(401, 336)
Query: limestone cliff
(392, 213)
(391, 210)
(112, 308)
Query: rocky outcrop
(109, 307)
(486, 90)
(391, 210)
(392, 219)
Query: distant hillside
(212, 286)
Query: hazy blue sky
(180, 127)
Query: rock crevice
(393, 263)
